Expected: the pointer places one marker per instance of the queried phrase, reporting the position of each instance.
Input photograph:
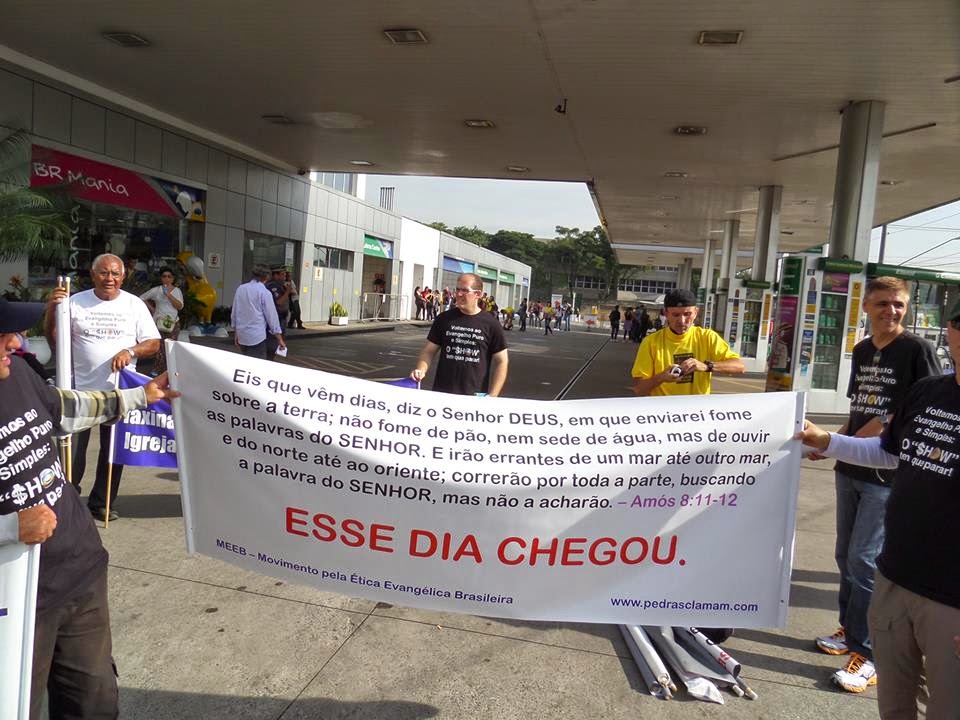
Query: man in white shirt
(254, 314)
(109, 329)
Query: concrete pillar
(728, 268)
(728, 252)
(855, 188)
(706, 277)
(768, 234)
(685, 273)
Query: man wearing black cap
(72, 660)
(681, 358)
(914, 614)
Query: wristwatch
(133, 353)
(709, 366)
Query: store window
(333, 258)
(269, 251)
(147, 221)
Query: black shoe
(101, 514)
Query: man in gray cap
(914, 614)
(72, 660)
(681, 358)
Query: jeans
(860, 510)
(258, 351)
(72, 660)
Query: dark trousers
(259, 350)
(72, 659)
(523, 321)
(98, 496)
(614, 329)
(295, 315)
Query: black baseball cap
(679, 298)
(19, 316)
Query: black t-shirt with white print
(467, 342)
(30, 474)
(879, 381)
(919, 549)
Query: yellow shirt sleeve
(719, 349)
(644, 366)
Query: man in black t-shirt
(471, 343)
(72, 645)
(885, 366)
(914, 614)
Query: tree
(576, 252)
(33, 223)
(439, 225)
(471, 234)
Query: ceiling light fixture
(690, 130)
(278, 119)
(669, 197)
(364, 163)
(890, 183)
(952, 79)
(126, 39)
(675, 174)
(406, 36)
(720, 37)
(518, 168)
(741, 210)
(478, 123)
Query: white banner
(19, 565)
(661, 511)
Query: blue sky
(536, 207)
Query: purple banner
(145, 437)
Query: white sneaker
(835, 644)
(857, 676)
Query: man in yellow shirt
(681, 358)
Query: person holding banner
(72, 660)
(110, 329)
(681, 358)
(914, 613)
(884, 367)
(472, 346)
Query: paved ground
(195, 638)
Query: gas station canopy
(674, 130)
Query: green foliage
(472, 234)
(33, 222)
(192, 308)
(338, 310)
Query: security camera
(301, 171)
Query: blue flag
(145, 437)
(403, 382)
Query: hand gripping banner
(655, 511)
(144, 437)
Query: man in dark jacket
(72, 645)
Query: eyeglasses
(466, 290)
(108, 274)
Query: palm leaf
(33, 222)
